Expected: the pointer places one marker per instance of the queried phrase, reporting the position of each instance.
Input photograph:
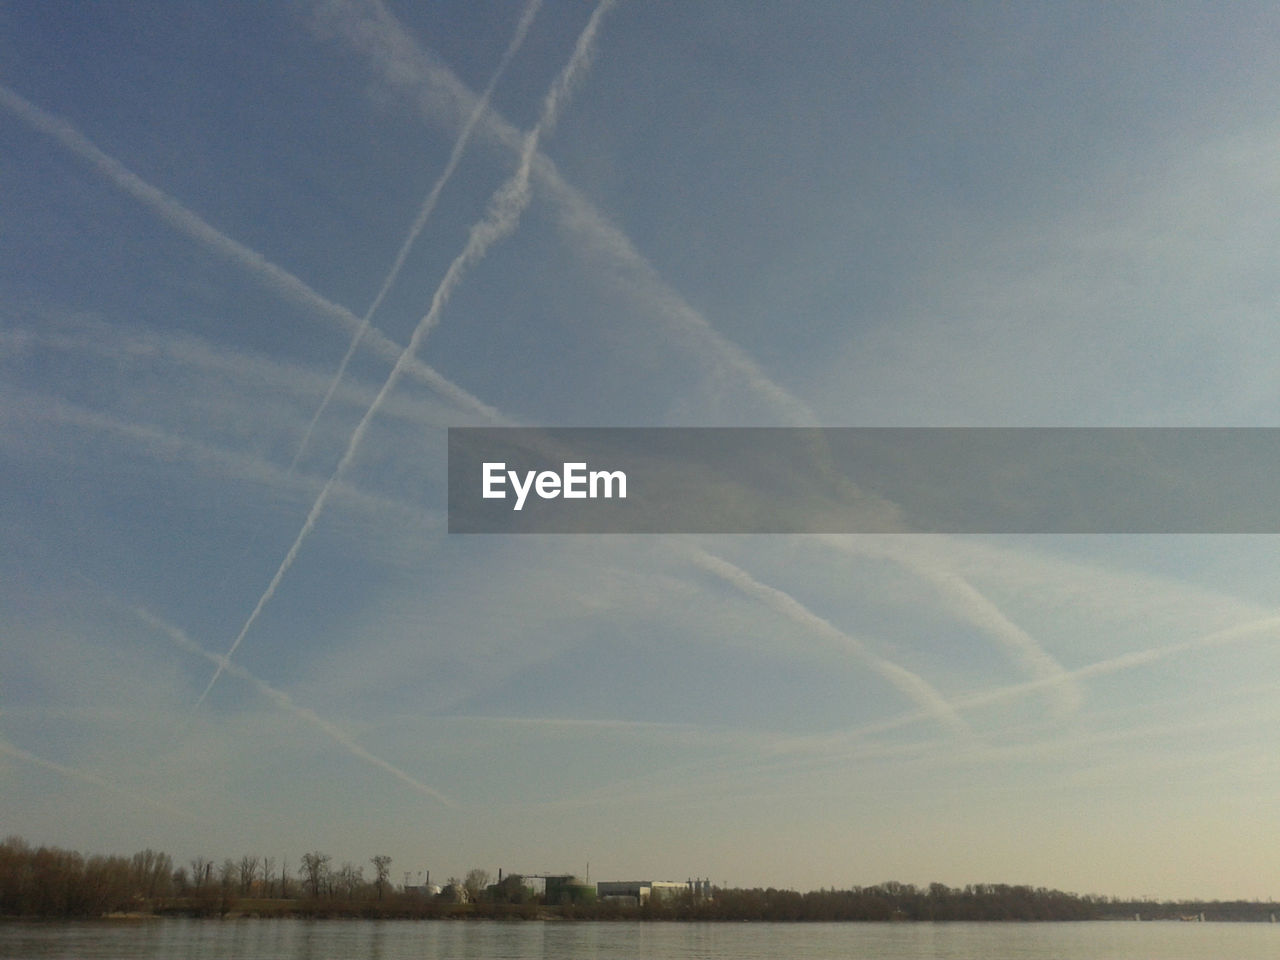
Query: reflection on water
(495, 940)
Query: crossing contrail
(784, 753)
(420, 222)
(910, 684)
(505, 207)
(276, 278)
(287, 704)
(370, 28)
(965, 600)
(1133, 660)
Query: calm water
(446, 940)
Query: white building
(640, 891)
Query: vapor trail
(8, 748)
(822, 748)
(428, 205)
(241, 370)
(1132, 660)
(965, 600)
(164, 445)
(186, 221)
(910, 684)
(287, 704)
(1126, 661)
(503, 214)
(443, 97)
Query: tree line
(53, 883)
(905, 902)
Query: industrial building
(566, 888)
(640, 891)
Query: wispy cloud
(442, 97)
(910, 684)
(286, 703)
(779, 755)
(188, 222)
(189, 381)
(503, 214)
(965, 601)
(166, 446)
(1133, 660)
(93, 779)
(424, 214)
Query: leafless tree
(477, 880)
(315, 871)
(248, 872)
(382, 864)
(152, 873)
(348, 880)
(268, 867)
(201, 873)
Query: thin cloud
(243, 375)
(93, 779)
(790, 753)
(964, 600)
(1133, 660)
(279, 280)
(1130, 661)
(424, 214)
(286, 703)
(167, 446)
(910, 684)
(370, 28)
(505, 207)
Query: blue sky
(729, 214)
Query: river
(291, 939)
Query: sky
(232, 620)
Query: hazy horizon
(232, 620)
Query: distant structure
(637, 892)
(420, 884)
(566, 888)
(454, 893)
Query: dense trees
(152, 873)
(45, 881)
(48, 882)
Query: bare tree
(315, 871)
(228, 874)
(268, 867)
(152, 873)
(248, 871)
(201, 873)
(348, 880)
(477, 880)
(382, 864)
